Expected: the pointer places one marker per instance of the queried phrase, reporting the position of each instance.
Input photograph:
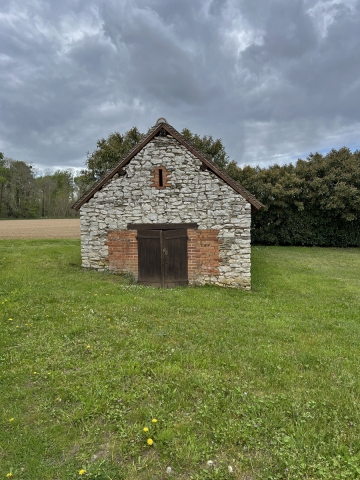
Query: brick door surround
(202, 251)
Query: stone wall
(193, 196)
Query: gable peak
(161, 120)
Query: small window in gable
(160, 178)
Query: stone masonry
(218, 251)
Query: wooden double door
(162, 257)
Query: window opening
(160, 178)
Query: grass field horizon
(242, 385)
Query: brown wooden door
(175, 258)
(162, 258)
(149, 257)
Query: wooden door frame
(161, 226)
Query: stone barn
(168, 216)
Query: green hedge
(315, 202)
(291, 227)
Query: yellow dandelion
(146, 429)
(34, 373)
(82, 471)
(11, 419)
(88, 346)
(10, 318)
(154, 420)
(149, 441)
(8, 475)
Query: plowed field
(42, 228)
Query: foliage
(25, 195)
(57, 193)
(265, 382)
(213, 149)
(315, 202)
(3, 178)
(83, 181)
(333, 182)
(109, 151)
(17, 194)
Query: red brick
(122, 247)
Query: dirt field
(43, 228)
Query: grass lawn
(264, 384)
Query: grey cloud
(318, 81)
(163, 66)
(289, 31)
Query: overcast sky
(274, 79)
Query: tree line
(316, 201)
(27, 193)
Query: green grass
(266, 381)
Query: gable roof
(162, 126)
